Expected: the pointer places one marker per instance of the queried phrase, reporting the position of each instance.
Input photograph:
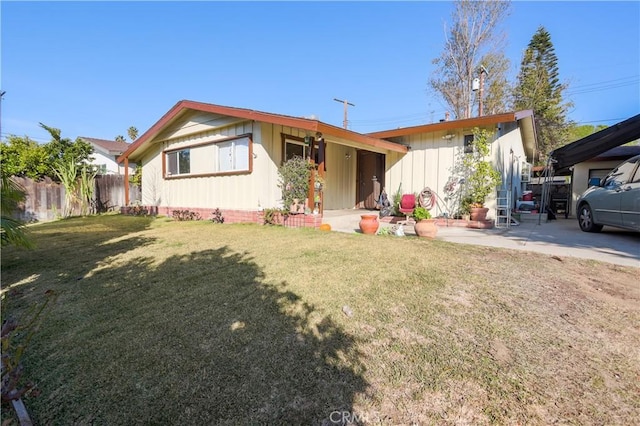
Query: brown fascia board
(284, 120)
(453, 124)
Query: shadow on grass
(197, 339)
(66, 250)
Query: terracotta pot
(426, 228)
(369, 223)
(479, 213)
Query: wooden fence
(45, 198)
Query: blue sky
(95, 68)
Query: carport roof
(596, 144)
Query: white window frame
(239, 153)
(178, 170)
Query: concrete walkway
(561, 237)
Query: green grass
(163, 322)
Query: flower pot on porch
(478, 213)
(369, 223)
(426, 228)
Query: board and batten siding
(239, 191)
(432, 158)
(340, 178)
(249, 191)
(428, 163)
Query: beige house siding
(340, 191)
(580, 179)
(240, 191)
(431, 160)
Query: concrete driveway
(561, 237)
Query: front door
(370, 179)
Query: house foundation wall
(229, 215)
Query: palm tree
(133, 133)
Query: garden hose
(427, 198)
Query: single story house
(105, 155)
(434, 148)
(202, 156)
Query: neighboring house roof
(596, 143)
(107, 146)
(301, 123)
(525, 119)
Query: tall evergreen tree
(540, 90)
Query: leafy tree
(579, 132)
(21, 156)
(481, 178)
(64, 150)
(473, 41)
(136, 178)
(120, 138)
(540, 90)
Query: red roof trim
(284, 120)
(453, 124)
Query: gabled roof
(111, 147)
(525, 119)
(266, 117)
(596, 143)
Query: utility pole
(483, 71)
(344, 123)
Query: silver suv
(612, 201)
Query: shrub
(185, 215)
(294, 179)
(274, 216)
(216, 216)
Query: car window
(621, 174)
(636, 176)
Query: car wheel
(585, 219)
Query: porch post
(126, 181)
(321, 170)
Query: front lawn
(162, 322)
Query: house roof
(111, 147)
(596, 143)
(248, 114)
(525, 119)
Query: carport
(595, 144)
(562, 160)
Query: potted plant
(481, 177)
(425, 226)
